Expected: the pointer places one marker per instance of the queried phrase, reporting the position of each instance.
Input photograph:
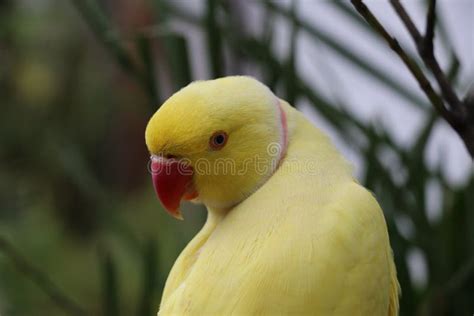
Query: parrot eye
(218, 140)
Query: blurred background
(81, 232)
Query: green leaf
(453, 69)
(111, 300)
(103, 30)
(419, 146)
(270, 74)
(177, 54)
(291, 89)
(148, 78)
(161, 10)
(100, 26)
(214, 41)
(150, 278)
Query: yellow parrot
(289, 230)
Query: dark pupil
(219, 139)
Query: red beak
(172, 180)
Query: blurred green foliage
(78, 81)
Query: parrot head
(215, 142)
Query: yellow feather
(309, 241)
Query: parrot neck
(283, 133)
(278, 149)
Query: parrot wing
(333, 261)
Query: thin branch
(412, 66)
(22, 265)
(458, 114)
(469, 99)
(430, 26)
(411, 27)
(427, 55)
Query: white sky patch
(433, 200)
(405, 226)
(417, 267)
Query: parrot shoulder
(358, 229)
(347, 263)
